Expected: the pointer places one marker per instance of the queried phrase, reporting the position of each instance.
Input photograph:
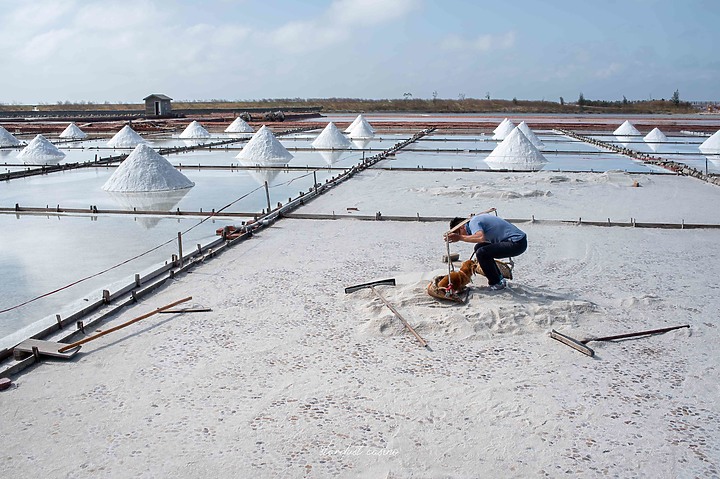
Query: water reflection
(162, 201)
(361, 143)
(331, 156)
(262, 175)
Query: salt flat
(288, 376)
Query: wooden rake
(581, 345)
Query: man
(494, 238)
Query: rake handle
(407, 325)
(120, 326)
(641, 333)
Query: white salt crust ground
(290, 377)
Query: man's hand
(453, 237)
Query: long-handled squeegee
(389, 282)
(581, 345)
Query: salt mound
(626, 128)
(239, 126)
(503, 130)
(712, 144)
(125, 138)
(263, 147)
(73, 131)
(40, 151)
(655, 136)
(530, 135)
(195, 130)
(331, 139)
(501, 124)
(359, 119)
(362, 129)
(7, 138)
(145, 170)
(516, 150)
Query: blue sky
(121, 51)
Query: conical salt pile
(712, 144)
(145, 170)
(516, 151)
(362, 129)
(331, 139)
(263, 147)
(125, 138)
(503, 130)
(500, 125)
(655, 136)
(626, 129)
(195, 130)
(530, 135)
(358, 119)
(40, 151)
(73, 131)
(7, 138)
(239, 126)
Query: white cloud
(481, 43)
(610, 70)
(340, 22)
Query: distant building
(157, 105)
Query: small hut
(157, 105)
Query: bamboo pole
(120, 326)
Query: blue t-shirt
(494, 228)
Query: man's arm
(477, 237)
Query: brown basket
(505, 268)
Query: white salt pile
(515, 151)
(263, 147)
(530, 135)
(40, 151)
(125, 138)
(74, 132)
(503, 130)
(362, 129)
(626, 129)
(145, 170)
(359, 119)
(195, 130)
(239, 126)
(331, 139)
(654, 137)
(712, 144)
(500, 125)
(7, 138)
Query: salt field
(222, 178)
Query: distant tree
(676, 98)
(515, 102)
(461, 96)
(581, 99)
(487, 95)
(434, 94)
(562, 100)
(625, 101)
(407, 96)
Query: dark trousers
(487, 252)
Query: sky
(121, 51)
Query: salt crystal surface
(515, 150)
(7, 138)
(73, 131)
(655, 135)
(263, 147)
(239, 126)
(126, 138)
(503, 130)
(530, 135)
(195, 130)
(331, 139)
(145, 170)
(40, 151)
(626, 128)
(712, 144)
